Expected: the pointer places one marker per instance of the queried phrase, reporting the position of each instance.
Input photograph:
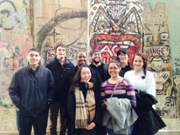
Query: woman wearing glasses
(118, 99)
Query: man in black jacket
(97, 64)
(31, 90)
(59, 67)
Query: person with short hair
(59, 67)
(98, 65)
(122, 57)
(31, 91)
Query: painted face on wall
(96, 57)
(33, 58)
(138, 63)
(85, 74)
(61, 52)
(113, 70)
(81, 58)
(123, 58)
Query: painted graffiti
(60, 29)
(14, 44)
(116, 24)
(156, 47)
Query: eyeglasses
(113, 68)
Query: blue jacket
(31, 91)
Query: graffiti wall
(157, 48)
(116, 24)
(64, 22)
(14, 43)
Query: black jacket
(59, 73)
(31, 91)
(148, 122)
(103, 71)
(72, 110)
(125, 69)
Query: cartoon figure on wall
(115, 24)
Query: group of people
(93, 99)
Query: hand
(91, 126)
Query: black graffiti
(177, 62)
(6, 13)
(46, 29)
(176, 71)
(156, 51)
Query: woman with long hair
(140, 77)
(84, 105)
(148, 122)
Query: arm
(71, 106)
(51, 88)
(151, 86)
(98, 114)
(14, 91)
(130, 93)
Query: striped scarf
(85, 110)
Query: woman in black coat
(84, 105)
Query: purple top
(124, 89)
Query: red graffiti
(110, 44)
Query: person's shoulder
(22, 69)
(128, 73)
(149, 73)
(69, 63)
(43, 68)
(104, 83)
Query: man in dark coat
(31, 91)
(59, 67)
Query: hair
(116, 62)
(34, 49)
(144, 58)
(122, 50)
(77, 78)
(59, 45)
(80, 52)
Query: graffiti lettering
(157, 51)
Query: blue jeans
(110, 131)
(25, 123)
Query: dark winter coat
(125, 69)
(103, 71)
(31, 91)
(72, 110)
(59, 73)
(148, 122)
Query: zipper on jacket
(35, 85)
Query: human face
(123, 58)
(138, 63)
(81, 58)
(96, 57)
(60, 52)
(113, 70)
(85, 74)
(33, 58)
